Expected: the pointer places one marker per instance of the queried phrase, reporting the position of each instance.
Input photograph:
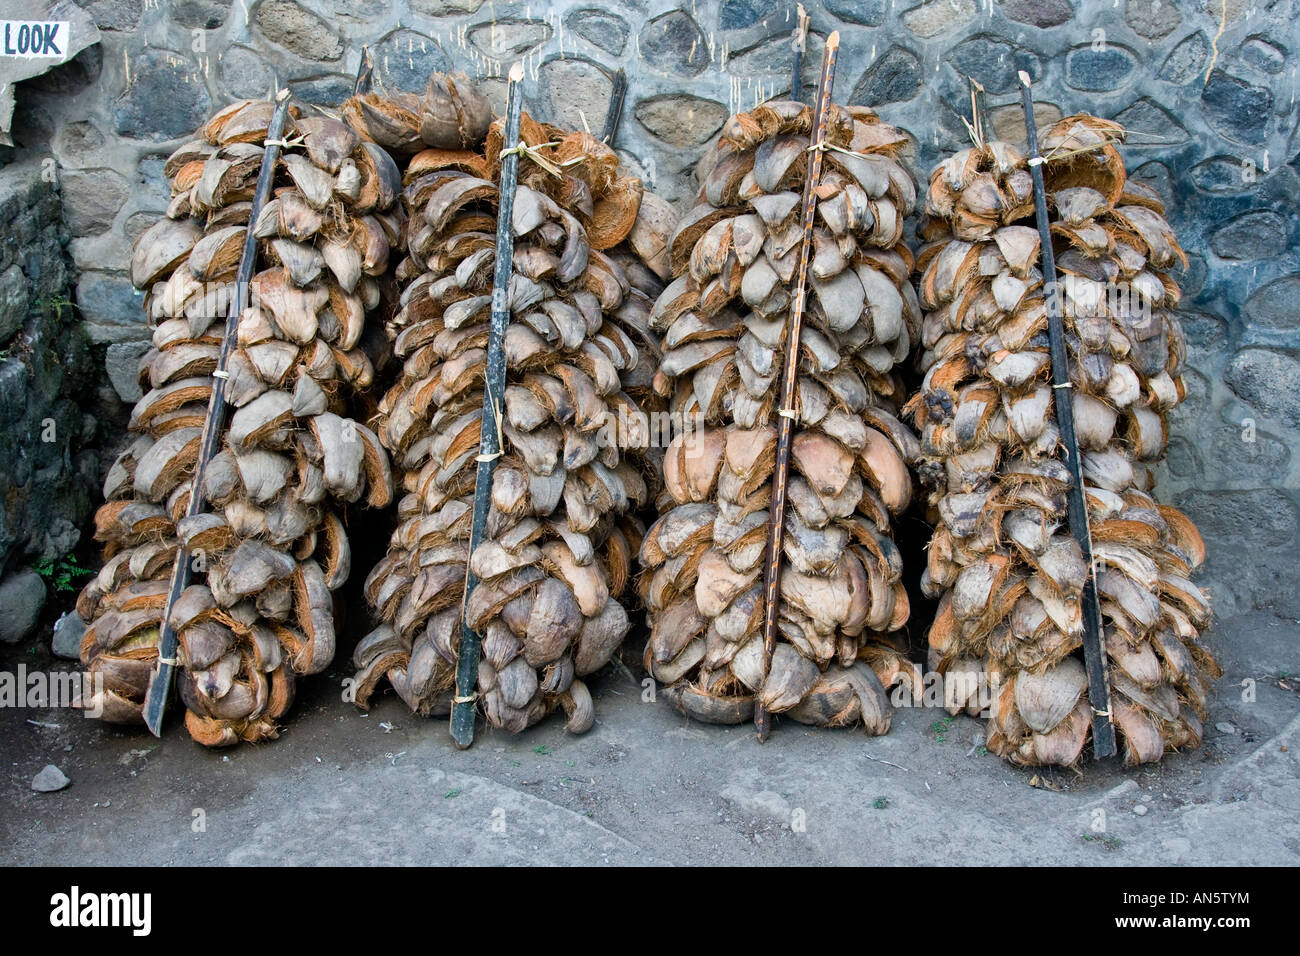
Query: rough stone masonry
(1207, 88)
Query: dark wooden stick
(464, 704)
(800, 44)
(614, 115)
(214, 424)
(979, 110)
(790, 375)
(1094, 651)
(364, 71)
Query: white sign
(32, 38)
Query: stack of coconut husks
(725, 321)
(561, 536)
(271, 543)
(1004, 566)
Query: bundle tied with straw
(1007, 572)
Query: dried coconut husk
(561, 531)
(722, 322)
(273, 541)
(1007, 574)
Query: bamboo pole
(214, 423)
(788, 409)
(464, 703)
(1094, 651)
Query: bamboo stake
(464, 704)
(790, 375)
(160, 682)
(1094, 652)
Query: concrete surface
(646, 786)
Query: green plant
(880, 803)
(61, 572)
(56, 304)
(940, 728)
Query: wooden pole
(214, 424)
(364, 71)
(615, 113)
(788, 409)
(464, 704)
(1094, 651)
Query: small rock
(50, 779)
(68, 631)
(1140, 809)
(22, 595)
(298, 30)
(1224, 727)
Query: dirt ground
(647, 786)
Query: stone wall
(47, 472)
(1206, 86)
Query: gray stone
(576, 93)
(22, 595)
(674, 44)
(1039, 13)
(444, 8)
(937, 16)
(166, 97)
(680, 119)
(68, 632)
(327, 91)
(14, 302)
(1203, 330)
(78, 144)
(200, 14)
(775, 56)
(1262, 55)
(1261, 458)
(118, 15)
(742, 14)
(137, 223)
(1225, 727)
(1152, 19)
(122, 361)
(298, 30)
(50, 779)
(91, 199)
(1102, 69)
(1009, 121)
(1252, 235)
(113, 310)
(1275, 305)
(866, 12)
(509, 39)
(1223, 174)
(1155, 126)
(993, 62)
(246, 73)
(405, 60)
(1186, 60)
(1268, 380)
(606, 30)
(894, 78)
(1236, 109)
